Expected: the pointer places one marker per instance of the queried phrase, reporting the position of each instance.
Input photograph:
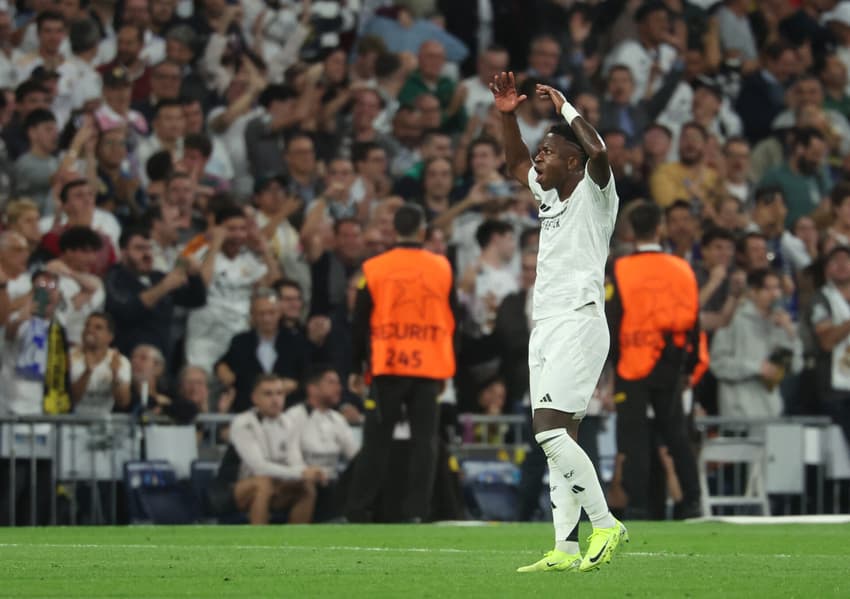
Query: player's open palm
(503, 87)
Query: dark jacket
(134, 322)
(294, 355)
(759, 103)
(511, 334)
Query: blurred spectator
(261, 350)
(752, 355)
(689, 179)
(830, 321)
(720, 284)
(737, 174)
(332, 269)
(169, 129)
(680, 232)
(478, 97)
(802, 177)
(36, 362)
(428, 78)
(266, 133)
(142, 300)
(100, 375)
(485, 283)
(119, 191)
(762, 93)
(79, 210)
(129, 41)
(34, 170)
(323, 437)
(769, 215)
(82, 292)
(116, 111)
(14, 252)
(165, 85)
(266, 480)
(29, 96)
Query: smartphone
(41, 298)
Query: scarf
(57, 400)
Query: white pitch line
(625, 551)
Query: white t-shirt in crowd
(232, 284)
(72, 318)
(323, 438)
(102, 221)
(98, 398)
(491, 287)
(479, 98)
(574, 237)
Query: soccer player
(571, 179)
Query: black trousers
(638, 440)
(418, 398)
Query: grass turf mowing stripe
(663, 560)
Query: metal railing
(85, 455)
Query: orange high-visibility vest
(702, 365)
(412, 325)
(659, 296)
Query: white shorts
(566, 355)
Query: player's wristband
(569, 112)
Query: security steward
(653, 311)
(403, 332)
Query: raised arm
(516, 152)
(597, 164)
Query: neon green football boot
(603, 542)
(554, 561)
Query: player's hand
(546, 91)
(505, 96)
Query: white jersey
(574, 238)
(98, 399)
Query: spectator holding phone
(754, 353)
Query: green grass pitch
(662, 560)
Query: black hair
(408, 219)
(697, 127)
(348, 220)
(280, 284)
(840, 194)
(37, 117)
(200, 142)
(648, 8)
(712, 234)
(360, 150)
(678, 204)
(29, 87)
(803, 136)
(266, 377)
(127, 233)
(316, 372)
(167, 103)
(159, 166)
(105, 317)
(66, 189)
(768, 193)
(564, 131)
(489, 228)
(228, 211)
(80, 238)
(276, 93)
(386, 64)
(645, 219)
(741, 246)
(83, 35)
(757, 278)
(48, 15)
(527, 234)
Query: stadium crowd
(189, 190)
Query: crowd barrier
(79, 460)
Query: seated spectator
(82, 292)
(151, 389)
(100, 375)
(142, 300)
(323, 436)
(261, 439)
(234, 264)
(262, 350)
(33, 172)
(756, 351)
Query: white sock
(566, 511)
(578, 472)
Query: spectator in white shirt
(100, 375)
(82, 292)
(169, 127)
(479, 98)
(266, 480)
